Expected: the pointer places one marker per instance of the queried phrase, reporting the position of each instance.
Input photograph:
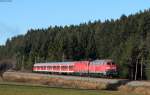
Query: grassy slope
(30, 90)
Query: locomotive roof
(101, 61)
(52, 63)
(56, 63)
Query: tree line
(125, 40)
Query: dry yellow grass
(125, 88)
(55, 82)
(0, 79)
(142, 90)
(138, 90)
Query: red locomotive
(92, 68)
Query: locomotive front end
(111, 69)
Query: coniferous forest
(125, 40)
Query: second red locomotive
(93, 68)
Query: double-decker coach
(62, 67)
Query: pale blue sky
(18, 16)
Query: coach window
(50, 67)
(54, 67)
(38, 67)
(41, 67)
(70, 67)
(63, 67)
(66, 67)
(58, 67)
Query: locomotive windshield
(109, 63)
(113, 63)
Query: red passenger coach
(62, 67)
(93, 68)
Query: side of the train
(92, 68)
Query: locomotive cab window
(113, 63)
(108, 63)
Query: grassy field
(33, 90)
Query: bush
(139, 90)
(4, 66)
(147, 71)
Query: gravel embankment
(138, 83)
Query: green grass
(33, 90)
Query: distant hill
(125, 40)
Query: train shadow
(115, 86)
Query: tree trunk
(35, 60)
(141, 68)
(22, 65)
(136, 67)
(132, 73)
(63, 57)
(135, 77)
